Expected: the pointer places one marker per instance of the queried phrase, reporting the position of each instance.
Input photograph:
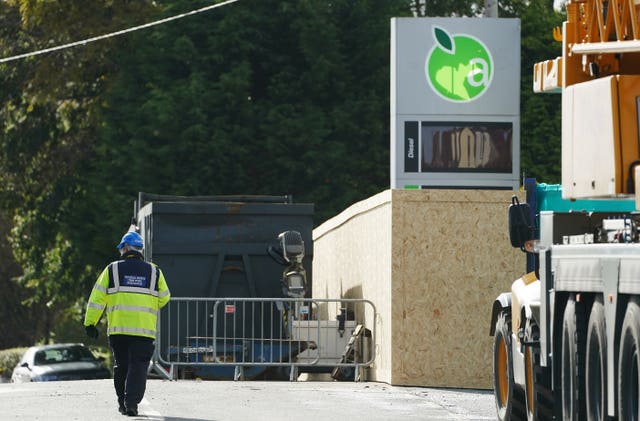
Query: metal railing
(240, 338)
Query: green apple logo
(459, 68)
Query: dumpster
(216, 247)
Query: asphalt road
(186, 400)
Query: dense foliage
(259, 97)
(539, 113)
(9, 358)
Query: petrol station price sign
(455, 103)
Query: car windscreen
(63, 355)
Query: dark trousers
(131, 357)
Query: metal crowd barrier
(243, 338)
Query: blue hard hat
(132, 238)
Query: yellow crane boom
(598, 75)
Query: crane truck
(567, 336)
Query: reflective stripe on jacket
(131, 292)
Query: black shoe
(132, 411)
(121, 408)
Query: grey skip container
(216, 246)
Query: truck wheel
(596, 376)
(529, 391)
(538, 393)
(509, 400)
(573, 352)
(628, 374)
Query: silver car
(59, 362)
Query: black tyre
(628, 374)
(596, 375)
(509, 399)
(538, 393)
(573, 357)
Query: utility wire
(115, 34)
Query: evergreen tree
(540, 114)
(48, 130)
(267, 97)
(258, 97)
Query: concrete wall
(432, 262)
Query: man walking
(131, 291)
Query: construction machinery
(567, 335)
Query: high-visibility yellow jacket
(131, 291)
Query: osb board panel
(451, 258)
(432, 261)
(352, 259)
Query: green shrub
(8, 360)
(100, 351)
